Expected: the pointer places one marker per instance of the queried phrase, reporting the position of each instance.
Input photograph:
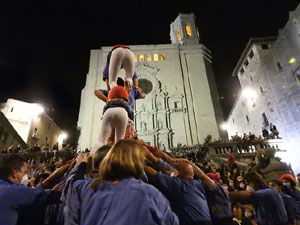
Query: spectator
(269, 207)
(265, 133)
(248, 218)
(14, 196)
(274, 131)
(289, 203)
(298, 178)
(218, 203)
(289, 186)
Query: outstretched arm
(244, 197)
(151, 173)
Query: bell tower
(184, 31)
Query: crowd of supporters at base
(132, 182)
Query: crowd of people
(124, 180)
(131, 182)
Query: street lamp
(249, 94)
(37, 110)
(224, 126)
(62, 137)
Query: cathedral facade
(269, 74)
(182, 104)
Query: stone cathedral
(182, 104)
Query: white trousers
(116, 118)
(119, 57)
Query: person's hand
(139, 89)
(57, 187)
(82, 158)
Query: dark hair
(9, 163)
(99, 155)
(277, 182)
(298, 174)
(256, 179)
(40, 177)
(120, 82)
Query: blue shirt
(187, 198)
(15, 197)
(269, 207)
(133, 95)
(218, 203)
(291, 208)
(129, 202)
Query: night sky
(45, 45)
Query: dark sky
(45, 44)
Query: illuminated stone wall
(274, 74)
(32, 128)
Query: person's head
(241, 186)
(298, 178)
(13, 167)
(275, 184)
(118, 92)
(255, 180)
(100, 154)
(239, 178)
(130, 131)
(288, 181)
(40, 178)
(125, 159)
(248, 212)
(185, 170)
(120, 82)
(231, 183)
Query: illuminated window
(279, 67)
(163, 57)
(141, 58)
(292, 60)
(261, 89)
(155, 57)
(148, 58)
(178, 34)
(135, 58)
(251, 54)
(188, 30)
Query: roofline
(247, 49)
(17, 136)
